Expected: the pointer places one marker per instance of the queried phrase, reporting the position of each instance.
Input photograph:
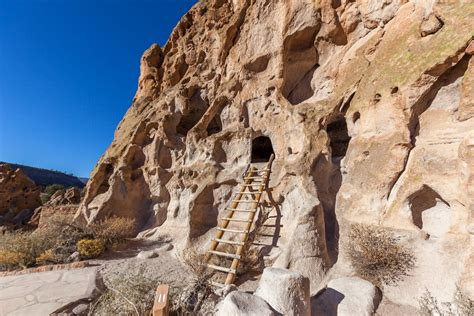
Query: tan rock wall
(365, 116)
(17, 192)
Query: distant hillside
(46, 177)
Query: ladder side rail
(235, 262)
(225, 223)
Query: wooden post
(161, 306)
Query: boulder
(241, 303)
(430, 25)
(346, 297)
(286, 291)
(17, 194)
(65, 197)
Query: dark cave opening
(194, 111)
(215, 126)
(262, 149)
(339, 137)
(330, 184)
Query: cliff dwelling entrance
(262, 149)
(328, 177)
(339, 137)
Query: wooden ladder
(248, 197)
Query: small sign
(161, 306)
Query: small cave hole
(196, 108)
(339, 137)
(355, 117)
(258, 65)
(394, 90)
(108, 169)
(262, 149)
(377, 98)
(215, 126)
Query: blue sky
(68, 72)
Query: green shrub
(90, 248)
(377, 255)
(51, 189)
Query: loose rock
(346, 297)
(287, 292)
(241, 303)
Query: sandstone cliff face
(19, 195)
(368, 106)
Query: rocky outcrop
(366, 105)
(287, 292)
(19, 196)
(244, 304)
(345, 297)
(64, 197)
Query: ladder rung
(249, 193)
(224, 254)
(250, 178)
(231, 242)
(233, 230)
(251, 185)
(236, 220)
(217, 284)
(244, 201)
(240, 210)
(222, 269)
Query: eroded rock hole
(262, 149)
(215, 126)
(339, 137)
(301, 61)
(151, 131)
(195, 110)
(259, 64)
(355, 117)
(107, 170)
